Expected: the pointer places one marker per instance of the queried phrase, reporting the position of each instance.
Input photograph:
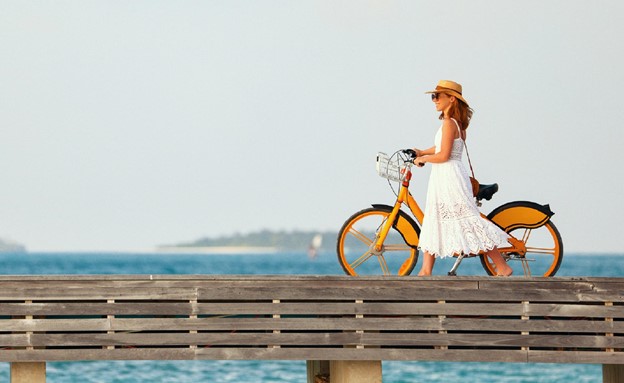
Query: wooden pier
(342, 326)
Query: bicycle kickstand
(525, 267)
(453, 271)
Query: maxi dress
(452, 224)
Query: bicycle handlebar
(411, 154)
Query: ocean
(603, 265)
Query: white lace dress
(452, 223)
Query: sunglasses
(435, 96)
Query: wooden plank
(574, 310)
(60, 293)
(487, 325)
(158, 307)
(68, 325)
(580, 357)
(315, 353)
(98, 354)
(363, 354)
(273, 282)
(539, 283)
(327, 294)
(593, 357)
(403, 294)
(335, 288)
(299, 339)
(491, 340)
(179, 339)
(192, 280)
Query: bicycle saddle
(486, 191)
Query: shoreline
(217, 250)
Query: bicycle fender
(404, 224)
(520, 214)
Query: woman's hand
(418, 152)
(419, 161)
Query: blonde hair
(460, 111)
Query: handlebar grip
(410, 152)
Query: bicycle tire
(541, 237)
(358, 233)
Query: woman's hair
(461, 112)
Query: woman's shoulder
(451, 126)
(449, 123)
(450, 120)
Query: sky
(125, 125)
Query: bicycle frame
(404, 196)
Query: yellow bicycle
(383, 239)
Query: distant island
(263, 240)
(11, 247)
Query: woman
(452, 223)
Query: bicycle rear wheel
(355, 244)
(544, 252)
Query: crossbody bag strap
(468, 155)
(465, 146)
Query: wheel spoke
(363, 258)
(397, 247)
(384, 266)
(526, 235)
(367, 241)
(541, 250)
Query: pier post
(355, 371)
(28, 372)
(316, 367)
(612, 373)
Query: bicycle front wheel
(356, 240)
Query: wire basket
(394, 170)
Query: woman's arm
(448, 135)
(424, 152)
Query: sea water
(602, 265)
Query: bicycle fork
(377, 247)
(385, 228)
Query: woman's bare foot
(507, 272)
(501, 266)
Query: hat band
(440, 88)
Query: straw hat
(451, 88)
